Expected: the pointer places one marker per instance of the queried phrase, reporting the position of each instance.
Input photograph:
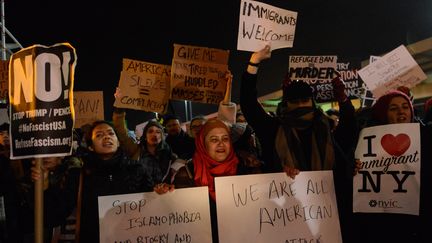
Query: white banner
(179, 216)
(275, 208)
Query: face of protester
(173, 127)
(153, 136)
(399, 111)
(297, 103)
(104, 141)
(241, 119)
(217, 144)
(4, 138)
(195, 127)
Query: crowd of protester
(299, 137)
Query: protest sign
(261, 24)
(144, 86)
(4, 80)
(354, 86)
(275, 208)
(4, 116)
(198, 74)
(317, 71)
(179, 216)
(40, 91)
(394, 69)
(89, 107)
(389, 178)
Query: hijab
(206, 168)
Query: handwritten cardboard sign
(275, 208)
(394, 69)
(262, 24)
(198, 74)
(144, 86)
(179, 216)
(4, 79)
(89, 107)
(317, 71)
(40, 93)
(389, 180)
(4, 116)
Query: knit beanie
(379, 109)
(296, 89)
(151, 123)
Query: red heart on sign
(395, 146)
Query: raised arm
(119, 121)
(346, 131)
(227, 110)
(254, 113)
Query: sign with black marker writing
(89, 107)
(40, 93)
(198, 74)
(4, 80)
(389, 178)
(179, 216)
(144, 86)
(275, 208)
(394, 69)
(261, 24)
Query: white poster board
(261, 24)
(389, 180)
(275, 208)
(396, 68)
(179, 216)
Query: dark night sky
(104, 32)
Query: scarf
(206, 168)
(292, 150)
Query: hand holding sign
(261, 55)
(291, 171)
(118, 94)
(339, 89)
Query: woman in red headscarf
(214, 155)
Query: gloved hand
(287, 80)
(339, 89)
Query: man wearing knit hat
(299, 138)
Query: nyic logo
(384, 203)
